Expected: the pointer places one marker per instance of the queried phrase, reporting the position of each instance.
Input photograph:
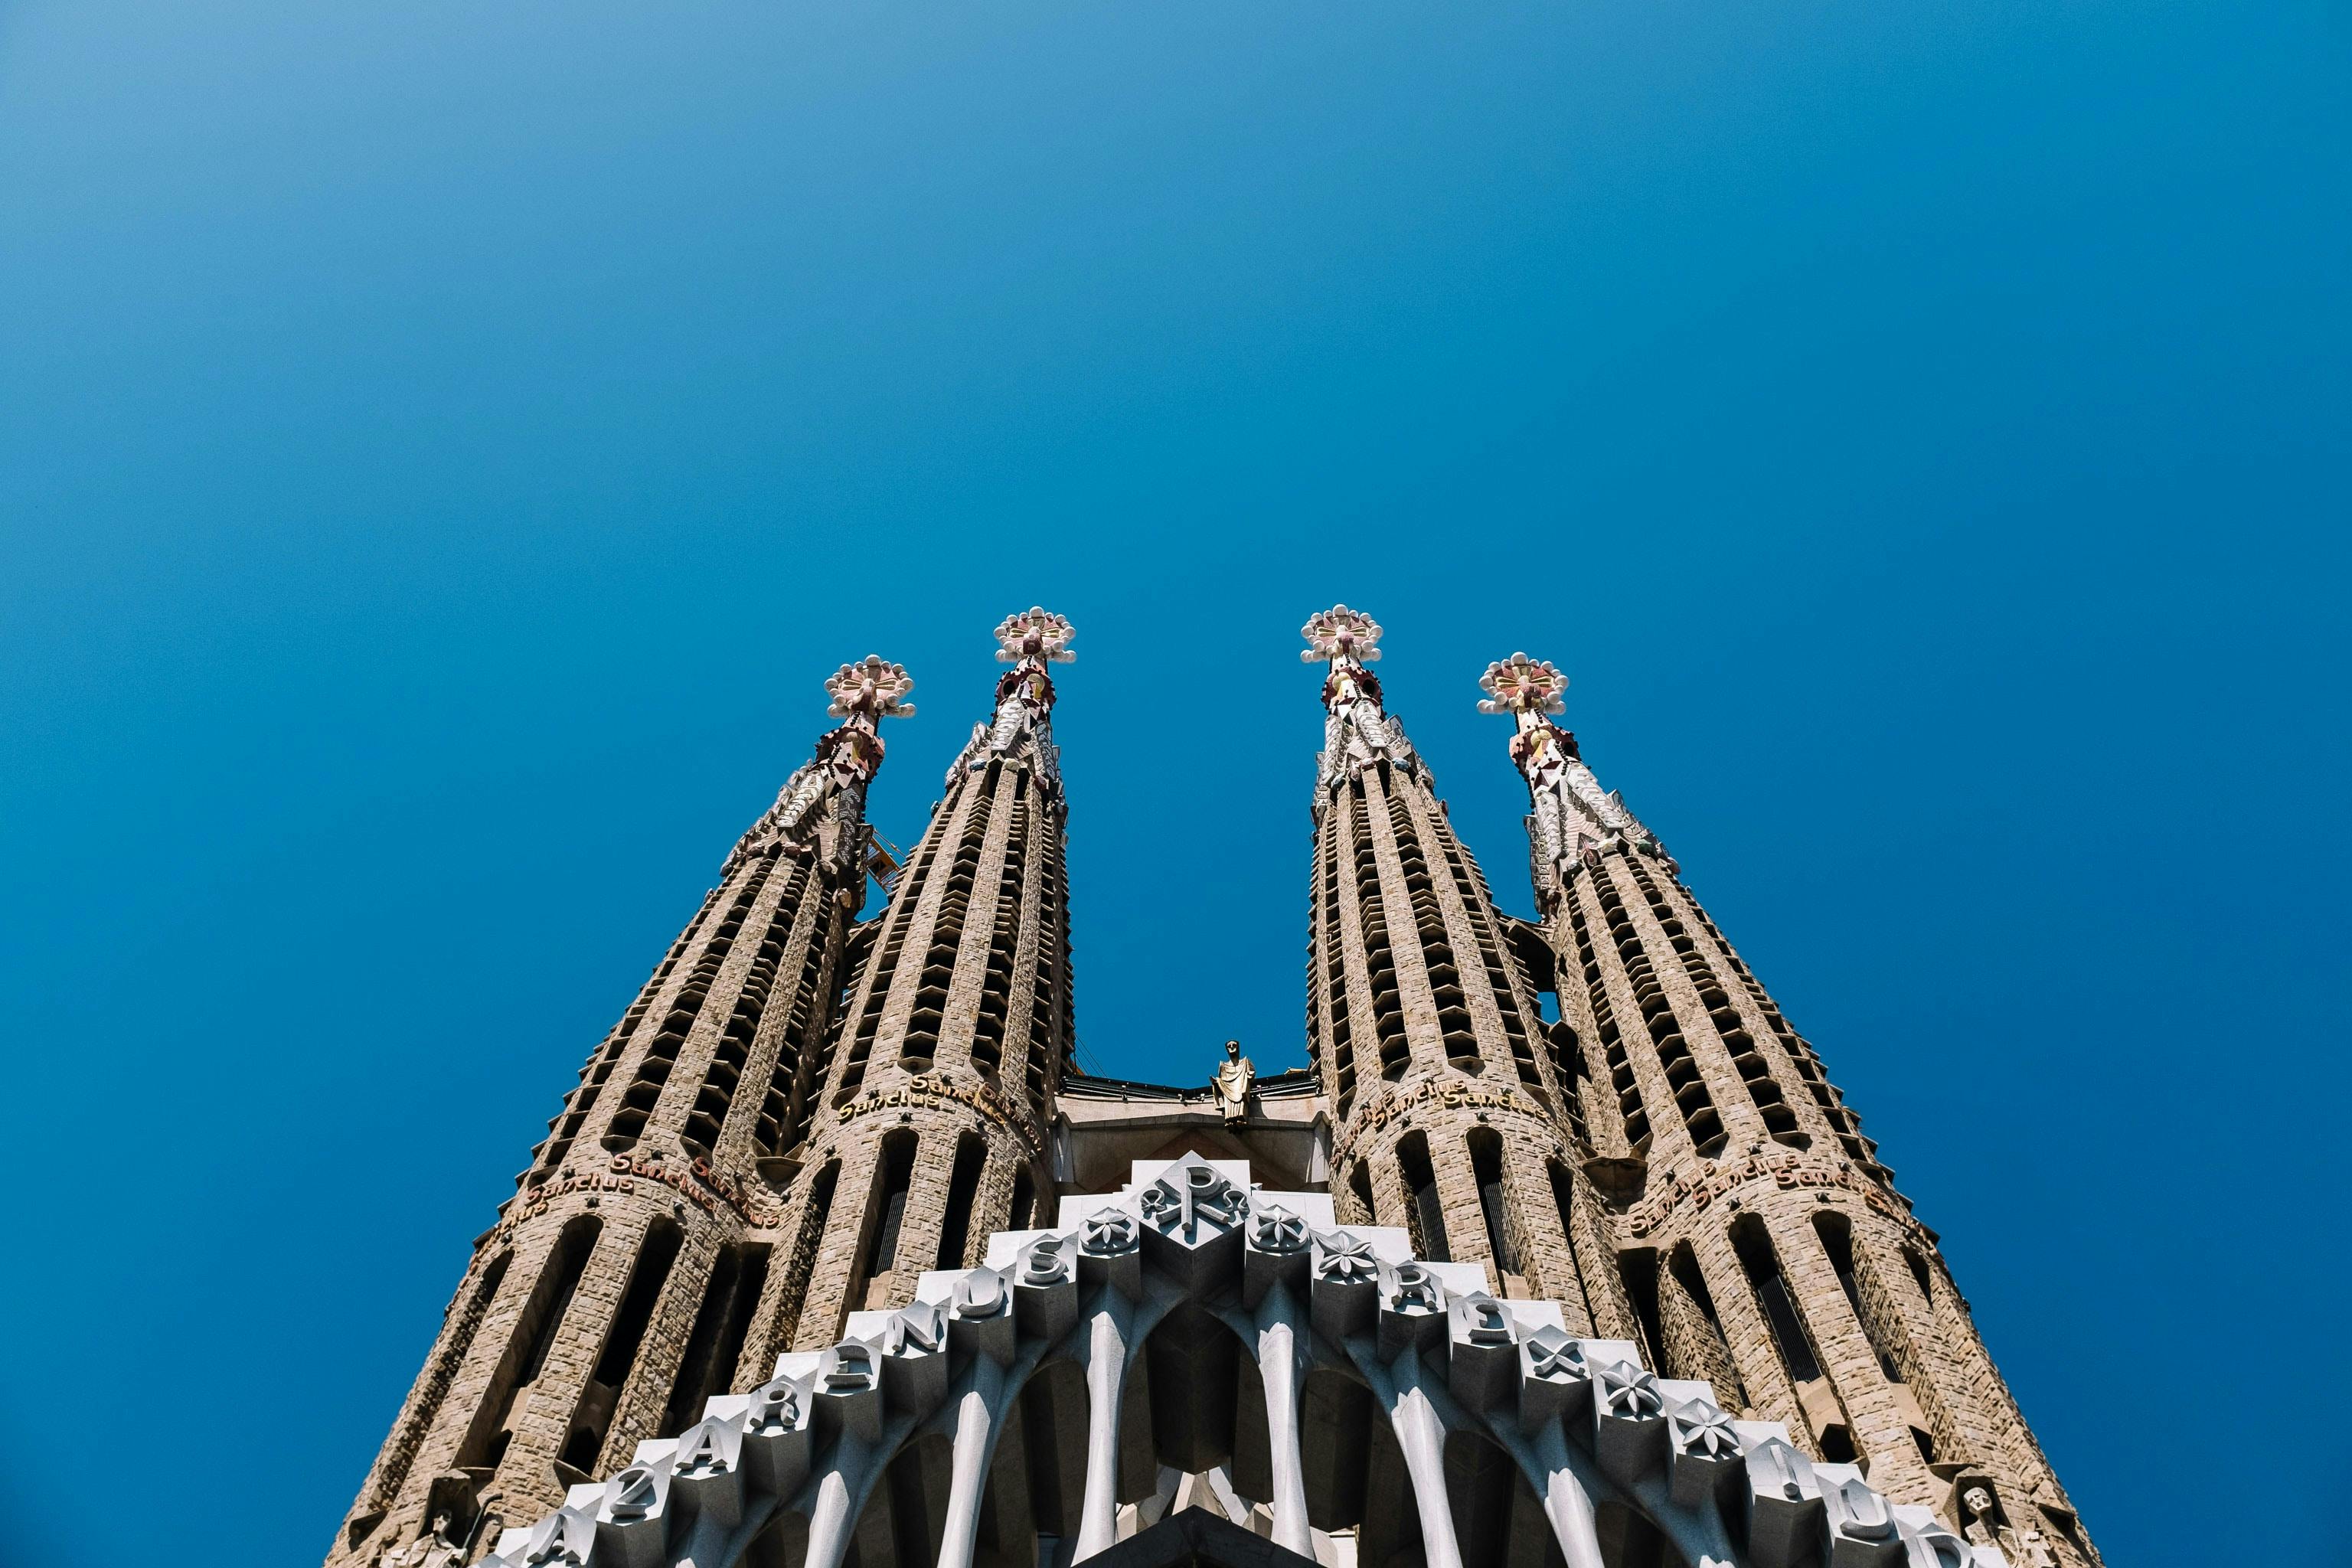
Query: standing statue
(433, 1550)
(1983, 1526)
(1231, 1085)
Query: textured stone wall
(665, 1127)
(957, 1029)
(1426, 1026)
(1743, 1125)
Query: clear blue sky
(444, 446)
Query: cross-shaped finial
(1035, 633)
(1522, 685)
(1340, 633)
(873, 688)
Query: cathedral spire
(1358, 732)
(955, 1028)
(1028, 641)
(1571, 819)
(846, 760)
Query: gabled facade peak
(846, 760)
(1358, 732)
(1571, 820)
(1028, 641)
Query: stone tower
(1561, 1248)
(1454, 1112)
(1758, 1238)
(956, 1029)
(618, 1288)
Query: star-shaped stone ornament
(1274, 1228)
(1107, 1232)
(1346, 1258)
(1629, 1393)
(1700, 1427)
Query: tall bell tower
(946, 1054)
(619, 1286)
(1758, 1235)
(1453, 1118)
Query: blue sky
(444, 447)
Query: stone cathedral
(1564, 1248)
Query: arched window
(963, 1196)
(1761, 1261)
(1360, 1184)
(622, 1340)
(1025, 1197)
(1638, 1268)
(716, 1341)
(1493, 1203)
(1711, 1358)
(885, 1216)
(535, 1329)
(811, 1236)
(1424, 1210)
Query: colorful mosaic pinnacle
(1340, 633)
(1521, 684)
(1034, 635)
(873, 688)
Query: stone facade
(1575, 1253)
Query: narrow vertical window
(1025, 1197)
(736, 1276)
(1837, 1239)
(812, 1236)
(1359, 1183)
(1486, 1163)
(964, 1193)
(1761, 1263)
(1638, 1268)
(619, 1356)
(1762, 1266)
(1722, 1371)
(1563, 1198)
(1424, 1211)
(550, 1299)
(893, 1175)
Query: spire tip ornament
(1357, 732)
(872, 688)
(1035, 633)
(847, 757)
(1523, 685)
(1028, 640)
(1571, 821)
(1340, 633)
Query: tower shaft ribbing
(1451, 1119)
(1758, 1237)
(617, 1289)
